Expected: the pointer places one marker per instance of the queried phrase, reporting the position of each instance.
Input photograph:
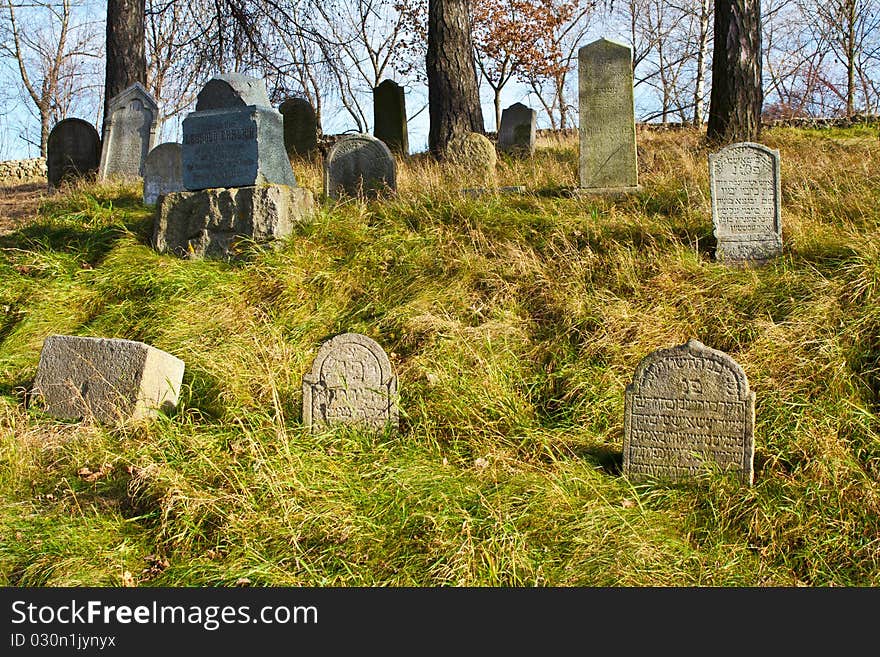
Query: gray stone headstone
(517, 132)
(745, 188)
(73, 151)
(234, 138)
(163, 172)
(607, 159)
(351, 382)
(389, 116)
(107, 379)
(216, 223)
(129, 133)
(300, 127)
(688, 409)
(359, 165)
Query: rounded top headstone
(232, 90)
(359, 165)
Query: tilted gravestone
(389, 116)
(234, 138)
(129, 133)
(108, 379)
(745, 189)
(73, 151)
(163, 172)
(351, 382)
(607, 159)
(688, 409)
(517, 132)
(359, 165)
(300, 127)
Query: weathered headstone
(163, 172)
(234, 138)
(517, 132)
(475, 155)
(607, 159)
(351, 382)
(73, 151)
(688, 409)
(359, 165)
(129, 133)
(216, 223)
(107, 379)
(300, 127)
(745, 189)
(389, 116)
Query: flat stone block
(210, 222)
(108, 379)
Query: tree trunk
(126, 60)
(737, 95)
(453, 92)
(45, 118)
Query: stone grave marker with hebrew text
(129, 133)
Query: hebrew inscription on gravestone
(350, 382)
(745, 190)
(688, 409)
(129, 133)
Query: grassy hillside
(514, 324)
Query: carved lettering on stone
(359, 165)
(688, 408)
(351, 382)
(745, 190)
(129, 133)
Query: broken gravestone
(107, 379)
(351, 382)
(688, 409)
(745, 191)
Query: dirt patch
(19, 204)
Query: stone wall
(13, 172)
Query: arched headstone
(517, 132)
(351, 382)
(129, 133)
(300, 127)
(163, 172)
(73, 151)
(688, 408)
(359, 165)
(746, 190)
(389, 116)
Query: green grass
(514, 324)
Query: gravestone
(107, 379)
(475, 155)
(389, 116)
(163, 172)
(607, 160)
(688, 408)
(517, 132)
(129, 133)
(73, 151)
(234, 138)
(351, 382)
(300, 127)
(359, 165)
(745, 189)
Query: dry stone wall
(13, 172)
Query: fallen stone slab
(106, 379)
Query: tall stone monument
(359, 165)
(108, 379)
(242, 187)
(351, 382)
(163, 172)
(300, 127)
(607, 161)
(745, 189)
(129, 133)
(389, 116)
(72, 151)
(516, 135)
(689, 408)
